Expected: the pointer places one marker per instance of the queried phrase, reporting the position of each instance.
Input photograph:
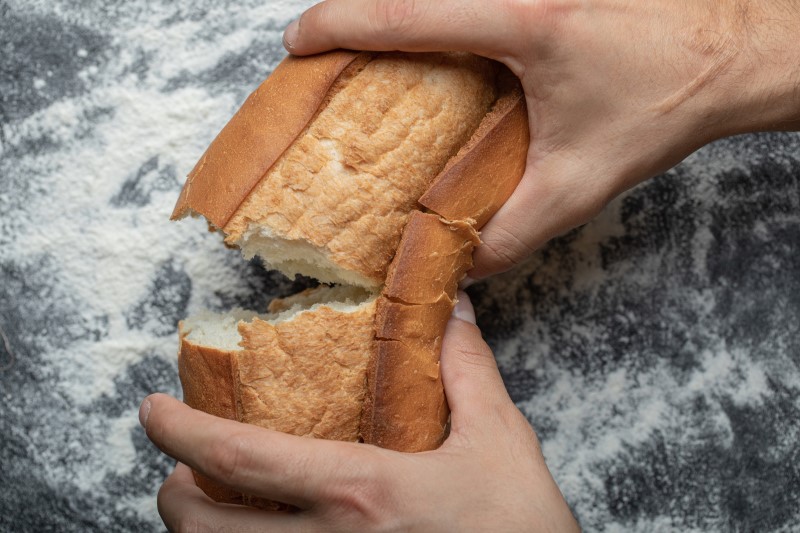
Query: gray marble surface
(656, 350)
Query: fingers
(554, 196)
(423, 25)
(249, 459)
(472, 383)
(184, 507)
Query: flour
(94, 224)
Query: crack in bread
(265, 369)
(411, 316)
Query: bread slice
(370, 170)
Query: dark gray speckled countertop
(656, 350)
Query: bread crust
(283, 379)
(343, 190)
(433, 256)
(485, 172)
(405, 408)
(306, 385)
(261, 130)
(209, 385)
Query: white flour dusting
(107, 255)
(621, 342)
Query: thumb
(472, 382)
(555, 195)
(413, 26)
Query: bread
(373, 171)
(269, 371)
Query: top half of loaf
(320, 168)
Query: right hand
(617, 90)
(489, 475)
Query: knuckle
(184, 525)
(396, 16)
(469, 347)
(479, 358)
(531, 12)
(164, 496)
(162, 502)
(527, 16)
(314, 18)
(229, 458)
(183, 522)
(521, 8)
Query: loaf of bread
(373, 172)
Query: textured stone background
(656, 350)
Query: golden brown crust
(284, 379)
(266, 124)
(408, 410)
(484, 173)
(208, 385)
(405, 408)
(417, 325)
(433, 256)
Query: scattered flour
(108, 253)
(154, 98)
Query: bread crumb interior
(292, 256)
(221, 330)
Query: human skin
(617, 91)
(489, 475)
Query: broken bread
(372, 171)
(268, 370)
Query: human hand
(617, 90)
(489, 475)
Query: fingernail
(144, 412)
(290, 34)
(466, 282)
(463, 309)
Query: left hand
(489, 475)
